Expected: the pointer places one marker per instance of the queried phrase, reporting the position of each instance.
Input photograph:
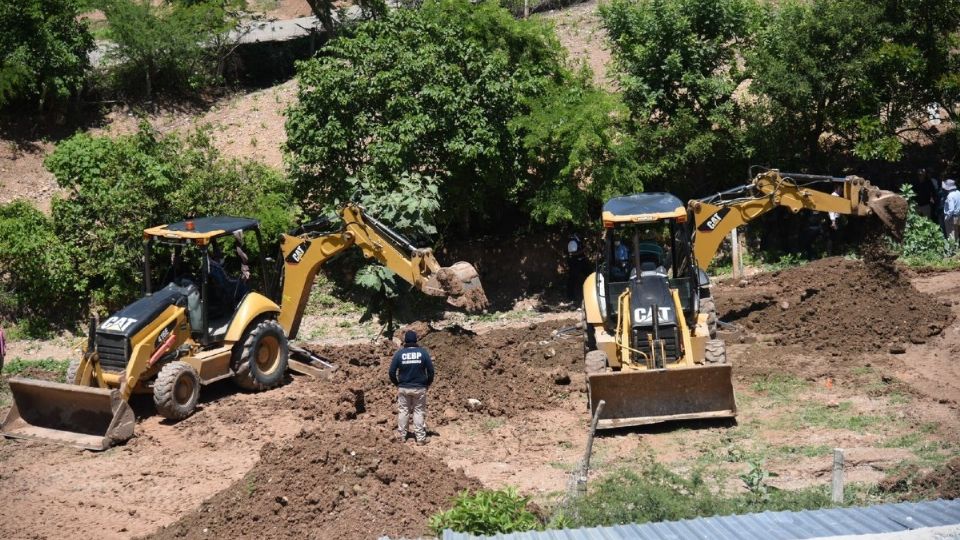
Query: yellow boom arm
(304, 254)
(715, 217)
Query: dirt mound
(510, 371)
(349, 481)
(346, 477)
(838, 305)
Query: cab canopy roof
(202, 228)
(643, 207)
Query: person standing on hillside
(411, 370)
(951, 210)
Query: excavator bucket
(461, 283)
(74, 415)
(636, 398)
(891, 209)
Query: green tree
(118, 187)
(429, 91)
(37, 281)
(676, 62)
(579, 150)
(844, 76)
(179, 47)
(43, 51)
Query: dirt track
(885, 409)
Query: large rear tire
(708, 306)
(716, 352)
(589, 332)
(261, 361)
(176, 390)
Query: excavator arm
(715, 216)
(305, 251)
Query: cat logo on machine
(298, 252)
(714, 220)
(644, 316)
(117, 324)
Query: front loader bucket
(636, 398)
(80, 416)
(461, 283)
(891, 209)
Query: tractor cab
(646, 248)
(210, 262)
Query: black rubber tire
(261, 361)
(715, 352)
(708, 306)
(589, 332)
(72, 368)
(176, 390)
(595, 362)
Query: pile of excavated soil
(509, 371)
(840, 306)
(346, 481)
(345, 476)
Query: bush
(43, 52)
(923, 241)
(175, 46)
(120, 186)
(37, 278)
(437, 91)
(486, 512)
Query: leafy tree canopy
(434, 91)
(118, 187)
(43, 51)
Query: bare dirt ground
(308, 452)
(578, 27)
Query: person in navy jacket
(411, 370)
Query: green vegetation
(89, 253)
(923, 243)
(443, 91)
(18, 366)
(656, 494)
(486, 512)
(43, 52)
(779, 387)
(175, 46)
(37, 278)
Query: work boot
(401, 437)
(422, 442)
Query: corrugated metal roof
(881, 518)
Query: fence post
(837, 491)
(585, 469)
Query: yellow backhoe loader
(202, 326)
(650, 324)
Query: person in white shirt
(951, 210)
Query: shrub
(923, 241)
(486, 512)
(120, 186)
(174, 46)
(435, 91)
(43, 51)
(37, 277)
